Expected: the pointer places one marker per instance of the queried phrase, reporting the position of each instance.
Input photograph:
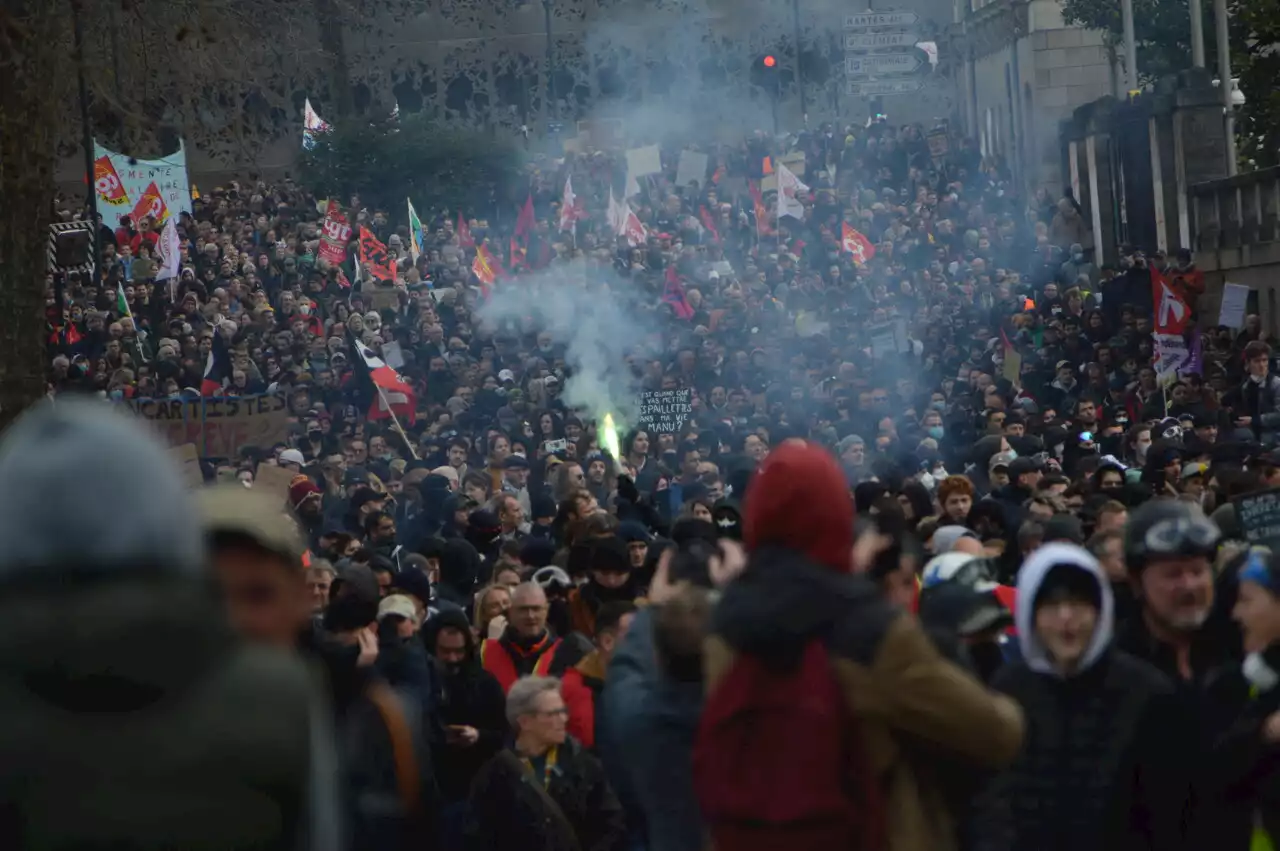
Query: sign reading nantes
(664, 411)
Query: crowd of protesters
(938, 486)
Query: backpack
(779, 762)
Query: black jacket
(510, 810)
(1248, 767)
(470, 697)
(1100, 768)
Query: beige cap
(231, 509)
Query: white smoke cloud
(598, 326)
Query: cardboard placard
(794, 162)
(188, 458)
(382, 298)
(218, 426)
(274, 480)
(1259, 517)
(693, 166)
(664, 411)
(643, 161)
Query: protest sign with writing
(664, 411)
(218, 426)
(134, 177)
(1259, 517)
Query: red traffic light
(770, 61)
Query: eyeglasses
(562, 712)
(1182, 536)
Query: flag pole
(395, 421)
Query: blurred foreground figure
(827, 706)
(133, 718)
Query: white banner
(123, 181)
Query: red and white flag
(569, 211)
(856, 244)
(390, 393)
(636, 232)
(1173, 314)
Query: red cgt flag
(856, 244)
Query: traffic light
(766, 73)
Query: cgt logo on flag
(1172, 313)
(151, 204)
(107, 182)
(856, 244)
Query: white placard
(1234, 299)
(693, 166)
(642, 161)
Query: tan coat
(907, 693)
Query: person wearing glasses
(545, 790)
(1259, 410)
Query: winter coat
(134, 720)
(647, 729)
(1262, 402)
(511, 811)
(1099, 768)
(910, 701)
(470, 697)
(1249, 768)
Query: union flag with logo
(107, 183)
(151, 204)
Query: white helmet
(964, 568)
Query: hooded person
(1099, 768)
(800, 586)
(119, 648)
(607, 564)
(459, 572)
(472, 707)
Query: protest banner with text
(664, 411)
(218, 426)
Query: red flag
(464, 233)
(335, 233)
(519, 255)
(674, 295)
(1173, 314)
(390, 393)
(856, 244)
(762, 212)
(373, 256)
(525, 222)
(709, 222)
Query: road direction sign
(867, 20)
(876, 64)
(871, 41)
(884, 87)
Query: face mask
(938, 406)
(1257, 379)
(936, 432)
(1140, 450)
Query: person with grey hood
(123, 689)
(1102, 765)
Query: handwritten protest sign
(1259, 517)
(218, 426)
(693, 166)
(129, 179)
(664, 411)
(643, 161)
